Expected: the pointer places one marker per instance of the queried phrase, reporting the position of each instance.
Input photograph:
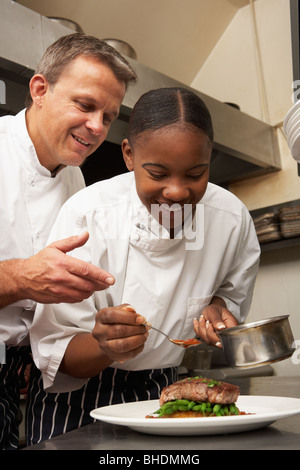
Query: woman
(184, 254)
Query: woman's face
(171, 167)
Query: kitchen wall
(255, 71)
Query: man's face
(74, 115)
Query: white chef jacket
(164, 279)
(30, 201)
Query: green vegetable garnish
(208, 409)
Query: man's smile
(81, 140)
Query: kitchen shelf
(283, 242)
(279, 244)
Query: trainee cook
(184, 254)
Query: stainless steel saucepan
(258, 343)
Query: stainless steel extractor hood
(243, 146)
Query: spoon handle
(159, 331)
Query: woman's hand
(214, 318)
(118, 335)
(120, 332)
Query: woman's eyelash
(195, 176)
(159, 175)
(156, 175)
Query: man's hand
(214, 318)
(52, 276)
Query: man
(75, 95)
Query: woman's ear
(127, 154)
(38, 87)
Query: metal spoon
(184, 343)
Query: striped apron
(10, 375)
(51, 414)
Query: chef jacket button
(37, 235)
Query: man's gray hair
(67, 48)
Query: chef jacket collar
(57, 170)
(147, 230)
(31, 160)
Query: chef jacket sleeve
(54, 325)
(53, 328)
(238, 285)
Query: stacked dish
(290, 221)
(291, 126)
(267, 227)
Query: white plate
(267, 410)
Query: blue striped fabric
(10, 396)
(51, 414)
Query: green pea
(170, 403)
(182, 402)
(197, 407)
(232, 409)
(182, 408)
(191, 405)
(216, 409)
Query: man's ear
(127, 154)
(38, 86)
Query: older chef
(181, 250)
(75, 94)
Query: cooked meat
(200, 390)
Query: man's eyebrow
(86, 97)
